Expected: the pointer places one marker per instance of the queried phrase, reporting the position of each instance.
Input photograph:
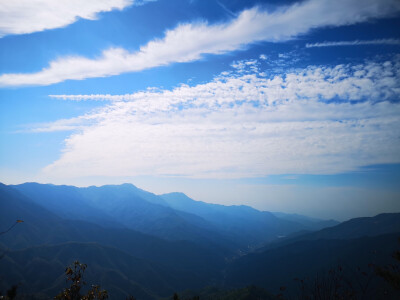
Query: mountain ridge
(46, 242)
(228, 227)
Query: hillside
(123, 260)
(354, 228)
(307, 259)
(172, 216)
(242, 223)
(41, 227)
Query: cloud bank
(317, 120)
(27, 16)
(189, 42)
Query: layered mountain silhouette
(172, 216)
(138, 243)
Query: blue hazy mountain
(122, 274)
(355, 243)
(308, 222)
(171, 216)
(184, 260)
(58, 229)
(309, 259)
(124, 206)
(66, 202)
(354, 228)
(251, 226)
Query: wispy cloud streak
(355, 43)
(190, 42)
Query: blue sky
(282, 105)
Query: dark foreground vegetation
(136, 244)
(331, 285)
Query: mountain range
(150, 246)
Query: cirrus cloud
(355, 43)
(27, 16)
(317, 120)
(190, 42)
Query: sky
(289, 106)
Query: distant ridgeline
(137, 243)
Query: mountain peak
(177, 195)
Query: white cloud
(27, 16)
(318, 120)
(62, 125)
(355, 43)
(189, 42)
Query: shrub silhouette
(391, 273)
(74, 275)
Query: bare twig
(16, 222)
